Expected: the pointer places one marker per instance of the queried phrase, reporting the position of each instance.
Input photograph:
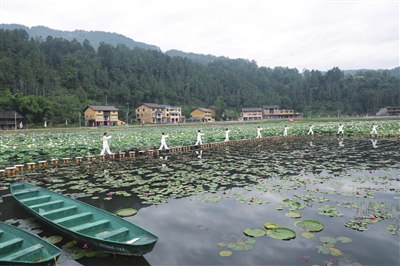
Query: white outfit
(310, 131)
(374, 142)
(285, 131)
(163, 143)
(227, 135)
(374, 127)
(199, 138)
(259, 132)
(341, 143)
(340, 129)
(105, 145)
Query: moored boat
(89, 225)
(19, 247)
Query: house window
(114, 116)
(99, 116)
(143, 109)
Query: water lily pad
(126, 212)
(343, 239)
(307, 235)
(293, 214)
(53, 239)
(270, 225)
(222, 244)
(310, 225)
(255, 232)
(225, 253)
(281, 233)
(323, 249)
(335, 252)
(327, 239)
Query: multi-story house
(96, 115)
(202, 114)
(158, 113)
(251, 114)
(273, 111)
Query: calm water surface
(191, 225)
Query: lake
(199, 203)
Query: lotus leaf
(323, 249)
(327, 239)
(255, 232)
(293, 214)
(281, 233)
(310, 225)
(343, 239)
(53, 239)
(307, 235)
(335, 252)
(270, 225)
(126, 212)
(225, 253)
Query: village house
(97, 115)
(159, 113)
(10, 120)
(248, 114)
(201, 115)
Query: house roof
(211, 107)
(101, 108)
(155, 105)
(10, 114)
(205, 110)
(270, 107)
(256, 109)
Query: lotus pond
(305, 201)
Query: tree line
(55, 79)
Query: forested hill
(94, 37)
(54, 79)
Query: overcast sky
(295, 34)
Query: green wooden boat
(18, 247)
(87, 224)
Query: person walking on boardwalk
(285, 131)
(259, 131)
(105, 144)
(340, 129)
(374, 128)
(163, 143)
(227, 134)
(310, 131)
(199, 134)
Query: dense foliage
(54, 79)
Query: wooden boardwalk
(10, 171)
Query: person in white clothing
(374, 142)
(374, 128)
(310, 131)
(340, 142)
(105, 144)
(163, 143)
(227, 134)
(199, 134)
(340, 129)
(285, 131)
(259, 132)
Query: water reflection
(190, 225)
(374, 143)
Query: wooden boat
(84, 223)
(18, 247)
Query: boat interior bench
(10, 245)
(51, 205)
(31, 253)
(36, 200)
(59, 213)
(115, 235)
(91, 227)
(74, 220)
